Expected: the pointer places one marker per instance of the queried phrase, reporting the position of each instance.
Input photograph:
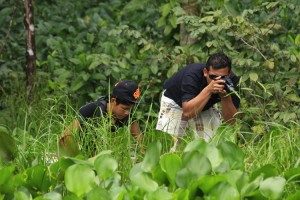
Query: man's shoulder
(196, 65)
(101, 100)
(95, 108)
(101, 103)
(194, 69)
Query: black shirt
(98, 109)
(188, 82)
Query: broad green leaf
(6, 173)
(8, 148)
(154, 69)
(293, 97)
(71, 197)
(266, 171)
(38, 177)
(269, 64)
(272, 187)
(152, 156)
(77, 84)
(233, 177)
(144, 182)
(159, 194)
(195, 145)
(181, 194)
(173, 20)
(168, 30)
(250, 188)
(79, 179)
(159, 176)
(90, 38)
(5, 12)
(22, 195)
(289, 116)
(294, 196)
(224, 191)
(166, 9)
(63, 75)
(12, 181)
(172, 70)
(98, 76)
(68, 146)
(145, 72)
(184, 178)
(99, 194)
(99, 59)
(161, 22)
(297, 40)
(231, 7)
(136, 169)
(208, 149)
(292, 174)
(170, 164)
(110, 49)
(212, 43)
(104, 152)
(118, 193)
(196, 163)
(52, 196)
(206, 19)
(253, 76)
(105, 166)
(271, 4)
(207, 182)
(115, 69)
(242, 181)
(53, 43)
(66, 162)
(232, 155)
(75, 61)
(146, 47)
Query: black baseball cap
(126, 90)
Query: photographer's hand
(216, 86)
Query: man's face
(120, 111)
(214, 73)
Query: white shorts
(204, 125)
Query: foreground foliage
(83, 47)
(202, 171)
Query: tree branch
(255, 48)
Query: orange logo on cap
(136, 94)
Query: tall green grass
(36, 129)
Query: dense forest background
(83, 47)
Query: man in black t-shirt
(190, 96)
(124, 96)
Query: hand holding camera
(222, 83)
(228, 85)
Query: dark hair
(121, 101)
(218, 61)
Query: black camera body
(229, 87)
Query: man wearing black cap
(124, 96)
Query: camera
(229, 87)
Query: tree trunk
(190, 7)
(30, 48)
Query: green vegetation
(83, 47)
